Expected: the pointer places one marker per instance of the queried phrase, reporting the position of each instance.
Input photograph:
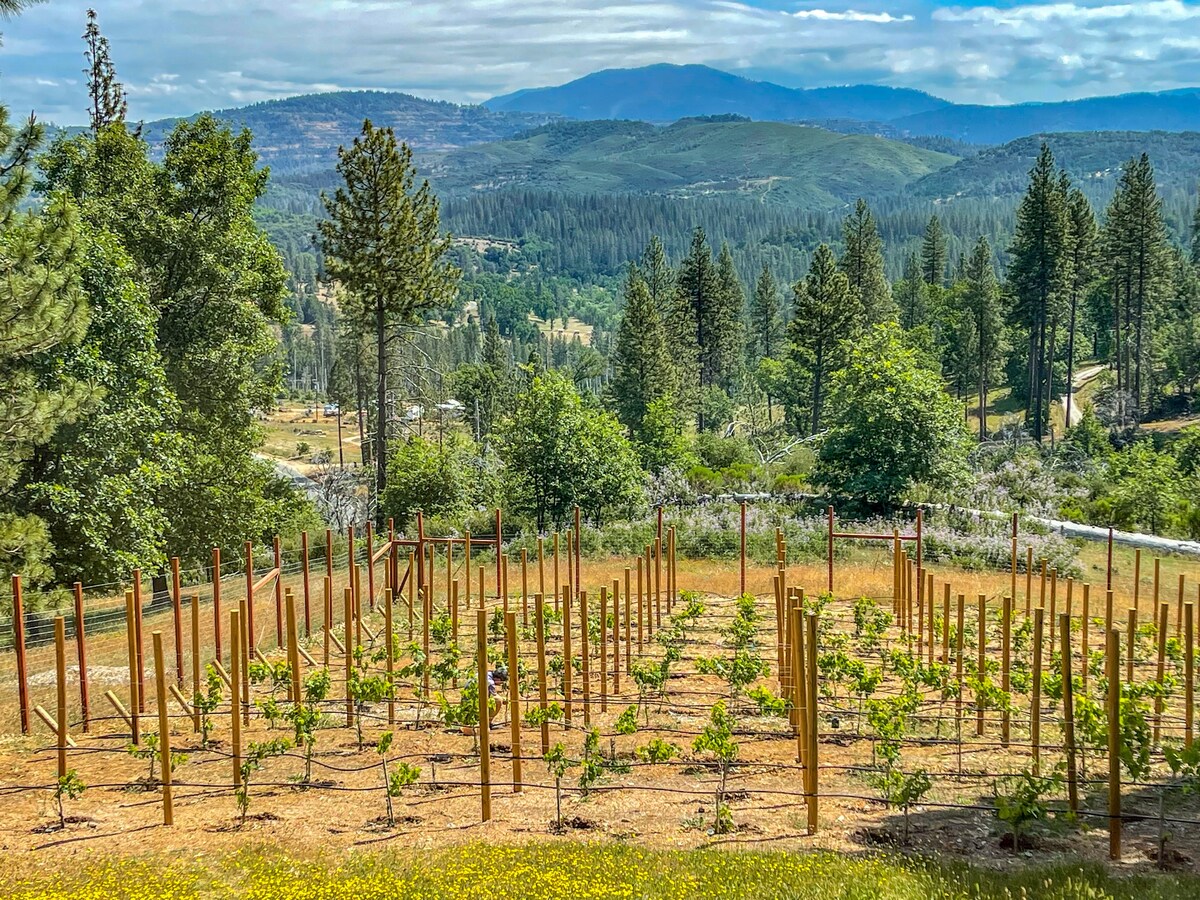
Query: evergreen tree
(824, 319)
(642, 370)
(862, 263)
(1082, 235)
(766, 320)
(658, 275)
(383, 241)
(693, 313)
(934, 255)
(1139, 275)
(912, 295)
(107, 95)
(724, 353)
(981, 300)
(1039, 276)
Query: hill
(300, 134)
(1167, 111)
(1093, 160)
(664, 93)
(772, 162)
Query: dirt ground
(665, 805)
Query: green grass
(577, 871)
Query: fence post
(466, 576)
(514, 697)
(1163, 618)
(585, 653)
(348, 612)
(1068, 713)
(813, 722)
(1108, 581)
(1084, 626)
(1028, 579)
(628, 628)
(481, 673)
(81, 653)
(1189, 665)
(60, 671)
(946, 624)
(541, 551)
(1131, 628)
(249, 638)
(982, 668)
(557, 579)
(568, 669)
(1113, 704)
(1035, 702)
(327, 614)
(216, 594)
(1137, 577)
(389, 642)
(658, 553)
(307, 595)
(164, 728)
(293, 646)
(616, 635)
(524, 587)
(235, 680)
(243, 649)
(931, 600)
(371, 566)
(139, 644)
(603, 649)
(131, 635)
(1013, 586)
(177, 611)
(539, 602)
(195, 662)
(1006, 664)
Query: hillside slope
(769, 161)
(664, 93)
(1093, 160)
(302, 133)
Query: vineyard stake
(216, 593)
(60, 672)
(584, 652)
(604, 649)
(481, 675)
(539, 602)
(195, 662)
(1068, 713)
(1035, 704)
(1164, 612)
(81, 653)
(514, 697)
(164, 728)
(307, 589)
(131, 634)
(568, 668)
(177, 617)
(389, 647)
(348, 612)
(1113, 704)
(235, 679)
(981, 669)
(1006, 665)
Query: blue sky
(177, 58)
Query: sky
(179, 58)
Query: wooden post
(348, 612)
(1053, 605)
(1137, 576)
(1108, 611)
(639, 605)
(501, 581)
(426, 614)
(568, 706)
(813, 742)
(931, 600)
(1084, 625)
(616, 635)
(1130, 641)
(1108, 581)
(524, 588)
(570, 563)
(139, 644)
(293, 644)
(920, 613)
(216, 595)
(658, 552)
(131, 634)
(504, 582)
(1035, 701)
(327, 597)
(514, 698)
(1179, 605)
(557, 579)
(628, 631)
(177, 619)
(584, 652)
(742, 551)
(243, 692)
(279, 614)
(195, 662)
(1113, 704)
(603, 649)
(1162, 620)
(411, 596)
(454, 610)
(481, 674)
(981, 668)
(81, 654)
(466, 574)
(1006, 665)
(541, 550)
(1028, 579)
(60, 683)
(250, 636)
(371, 565)
(958, 654)
(1189, 664)
(829, 548)
(307, 588)
(797, 686)
(164, 728)
(539, 601)
(1013, 586)
(673, 595)
(235, 679)
(946, 624)
(1068, 713)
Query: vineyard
(329, 697)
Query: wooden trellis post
(216, 595)
(131, 634)
(164, 728)
(1035, 701)
(60, 671)
(514, 698)
(1068, 713)
(585, 654)
(81, 653)
(235, 679)
(1164, 612)
(539, 601)
(195, 662)
(481, 673)
(1113, 704)
(568, 668)
(1005, 666)
(981, 667)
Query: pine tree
(862, 263)
(642, 370)
(697, 294)
(658, 275)
(824, 319)
(912, 295)
(766, 320)
(107, 95)
(1039, 276)
(724, 352)
(1138, 261)
(1083, 238)
(982, 305)
(383, 241)
(934, 255)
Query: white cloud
(179, 57)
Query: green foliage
(903, 789)
(767, 703)
(825, 317)
(255, 755)
(206, 702)
(626, 723)
(559, 452)
(893, 425)
(443, 478)
(1021, 800)
(657, 751)
(150, 750)
(68, 787)
(716, 739)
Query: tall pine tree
(107, 95)
(981, 299)
(766, 319)
(934, 255)
(642, 372)
(1082, 235)
(825, 317)
(862, 264)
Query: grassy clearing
(586, 871)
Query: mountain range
(663, 93)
